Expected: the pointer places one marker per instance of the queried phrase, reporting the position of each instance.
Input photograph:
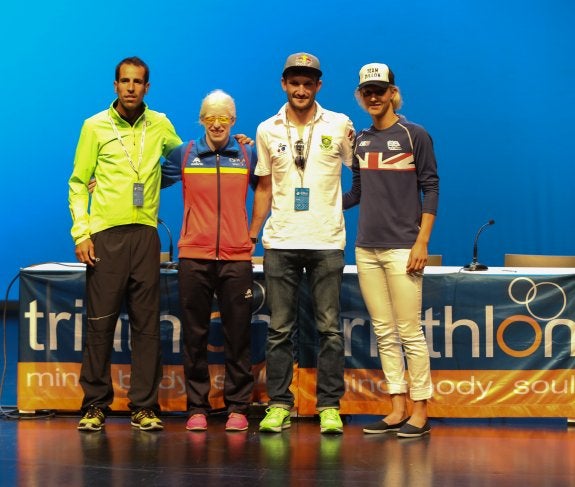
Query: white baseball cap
(376, 74)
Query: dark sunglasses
(369, 92)
(299, 157)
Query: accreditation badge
(301, 200)
(138, 194)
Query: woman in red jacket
(215, 252)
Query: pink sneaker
(237, 422)
(197, 422)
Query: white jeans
(393, 300)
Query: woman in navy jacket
(395, 180)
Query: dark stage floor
(51, 452)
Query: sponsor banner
(482, 331)
(466, 393)
(499, 322)
(461, 393)
(475, 323)
(53, 321)
(55, 385)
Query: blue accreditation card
(138, 194)
(301, 200)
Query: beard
(301, 104)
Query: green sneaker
(276, 419)
(93, 420)
(146, 420)
(330, 422)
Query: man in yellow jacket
(116, 237)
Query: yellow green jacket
(99, 154)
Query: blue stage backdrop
(492, 82)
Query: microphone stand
(474, 265)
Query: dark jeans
(128, 270)
(283, 271)
(232, 283)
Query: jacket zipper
(219, 207)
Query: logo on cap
(375, 73)
(303, 60)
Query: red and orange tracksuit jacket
(215, 186)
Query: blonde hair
(218, 98)
(396, 99)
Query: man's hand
(92, 185)
(85, 252)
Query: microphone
(474, 265)
(169, 264)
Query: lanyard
(142, 140)
(288, 128)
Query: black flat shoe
(410, 431)
(383, 427)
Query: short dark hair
(135, 61)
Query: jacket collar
(282, 118)
(232, 148)
(118, 118)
